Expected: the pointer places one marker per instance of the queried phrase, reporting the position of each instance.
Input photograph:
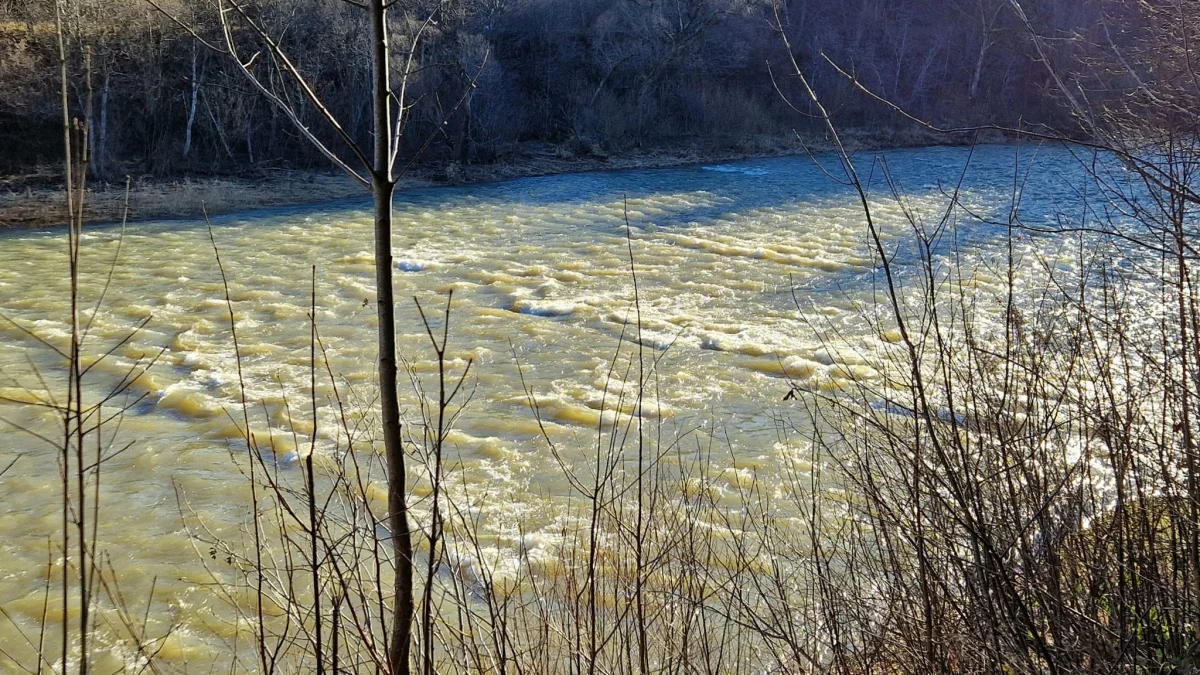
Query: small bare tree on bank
(80, 581)
(378, 169)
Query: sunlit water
(746, 272)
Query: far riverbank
(34, 201)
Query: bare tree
(375, 169)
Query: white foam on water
(415, 264)
(744, 170)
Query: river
(746, 272)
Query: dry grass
(29, 206)
(39, 28)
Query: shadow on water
(735, 187)
(587, 208)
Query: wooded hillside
(590, 77)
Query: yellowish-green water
(745, 272)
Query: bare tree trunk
(464, 132)
(985, 42)
(191, 120)
(250, 139)
(93, 167)
(383, 187)
(66, 454)
(919, 83)
(212, 117)
(382, 183)
(974, 90)
(101, 154)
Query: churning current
(751, 276)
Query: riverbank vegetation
(593, 79)
(1006, 483)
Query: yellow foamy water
(748, 275)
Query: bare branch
(400, 98)
(286, 109)
(191, 31)
(278, 53)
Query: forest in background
(583, 78)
